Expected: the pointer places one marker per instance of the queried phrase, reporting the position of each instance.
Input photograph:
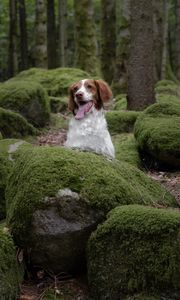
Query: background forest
(92, 35)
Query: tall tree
(177, 39)
(165, 59)
(140, 66)
(85, 40)
(108, 42)
(13, 54)
(23, 35)
(123, 38)
(51, 34)
(158, 37)
(62, 45)
(40, 50)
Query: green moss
(120, 102)
(56, 81)
(28, 98)
(9, 150)
(59, 121)
(157, 132)
(1, 137)
(165, 83)
(126, 149)
(103, 184)
(168, 89)
(143, 296)
(58, 104)
(14, 125)
(121, 121)
(161, 98)
(135, 250)
(10, 274)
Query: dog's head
(94, 92)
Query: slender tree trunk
(165, 60)
(41, 34)
(23, 35)
(13, 55)
(157, 37)
(108, 34)
(51, 35)
(140, 67)
(177, 41)
(123, 38)
(62, 12)
(85, 40)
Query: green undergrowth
(27, 98)
(13, 125)
(135, 250)
(126, 149)
(121, 121)
(58, 104)
(120, 102)
(103, 184)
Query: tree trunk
(123, 38)
(85, 40)
(41, 35)
(13, 55)
(140, 66)
(165, 60)
(51, 35)
(23, 35)
(62, 12)
(157, 37)
(108, 42)
(177, 41)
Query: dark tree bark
(157, 37)
(140, 67)
(40, 50)
(85, 39)
(108, 43)
(13, 55)
(51, 35)
(23, 35)
(177, 41)
(62, 44)
(165, 60)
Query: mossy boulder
(120, 102)
(135, 250)
(11, 274)
(157, 132)
(1, 137)
(126, 149)
(36, 206)
(121, 121)
(27, 98)
(14, 125)
(56, 81)
(58, 104)
(9, 150)
(167, 87)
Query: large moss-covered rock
(58, 104)
(14, 125)
(56, 81)
(135, 250)
(28, 98)
(121, 121)
(10, 273)
(126, 149)
(9, 151)
(35, 193)
(120, 102)
(157, 132)
(168, 87)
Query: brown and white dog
(88, 128)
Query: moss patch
(14, 125)
(10, 274)
(58, 104)
(102, 184)
(136, 249)
(56, 81)
(120, 102)
(126, 149)
(28, 98)
(157, 132)
(121, 121)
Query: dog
(88, 128)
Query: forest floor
(48, 287)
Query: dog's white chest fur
(91, 134)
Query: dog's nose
(79, 95)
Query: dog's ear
(104, 91)
(71, 103)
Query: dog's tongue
(83, 109)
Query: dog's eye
(75, 89)
(89, 86)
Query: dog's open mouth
(83, 108)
